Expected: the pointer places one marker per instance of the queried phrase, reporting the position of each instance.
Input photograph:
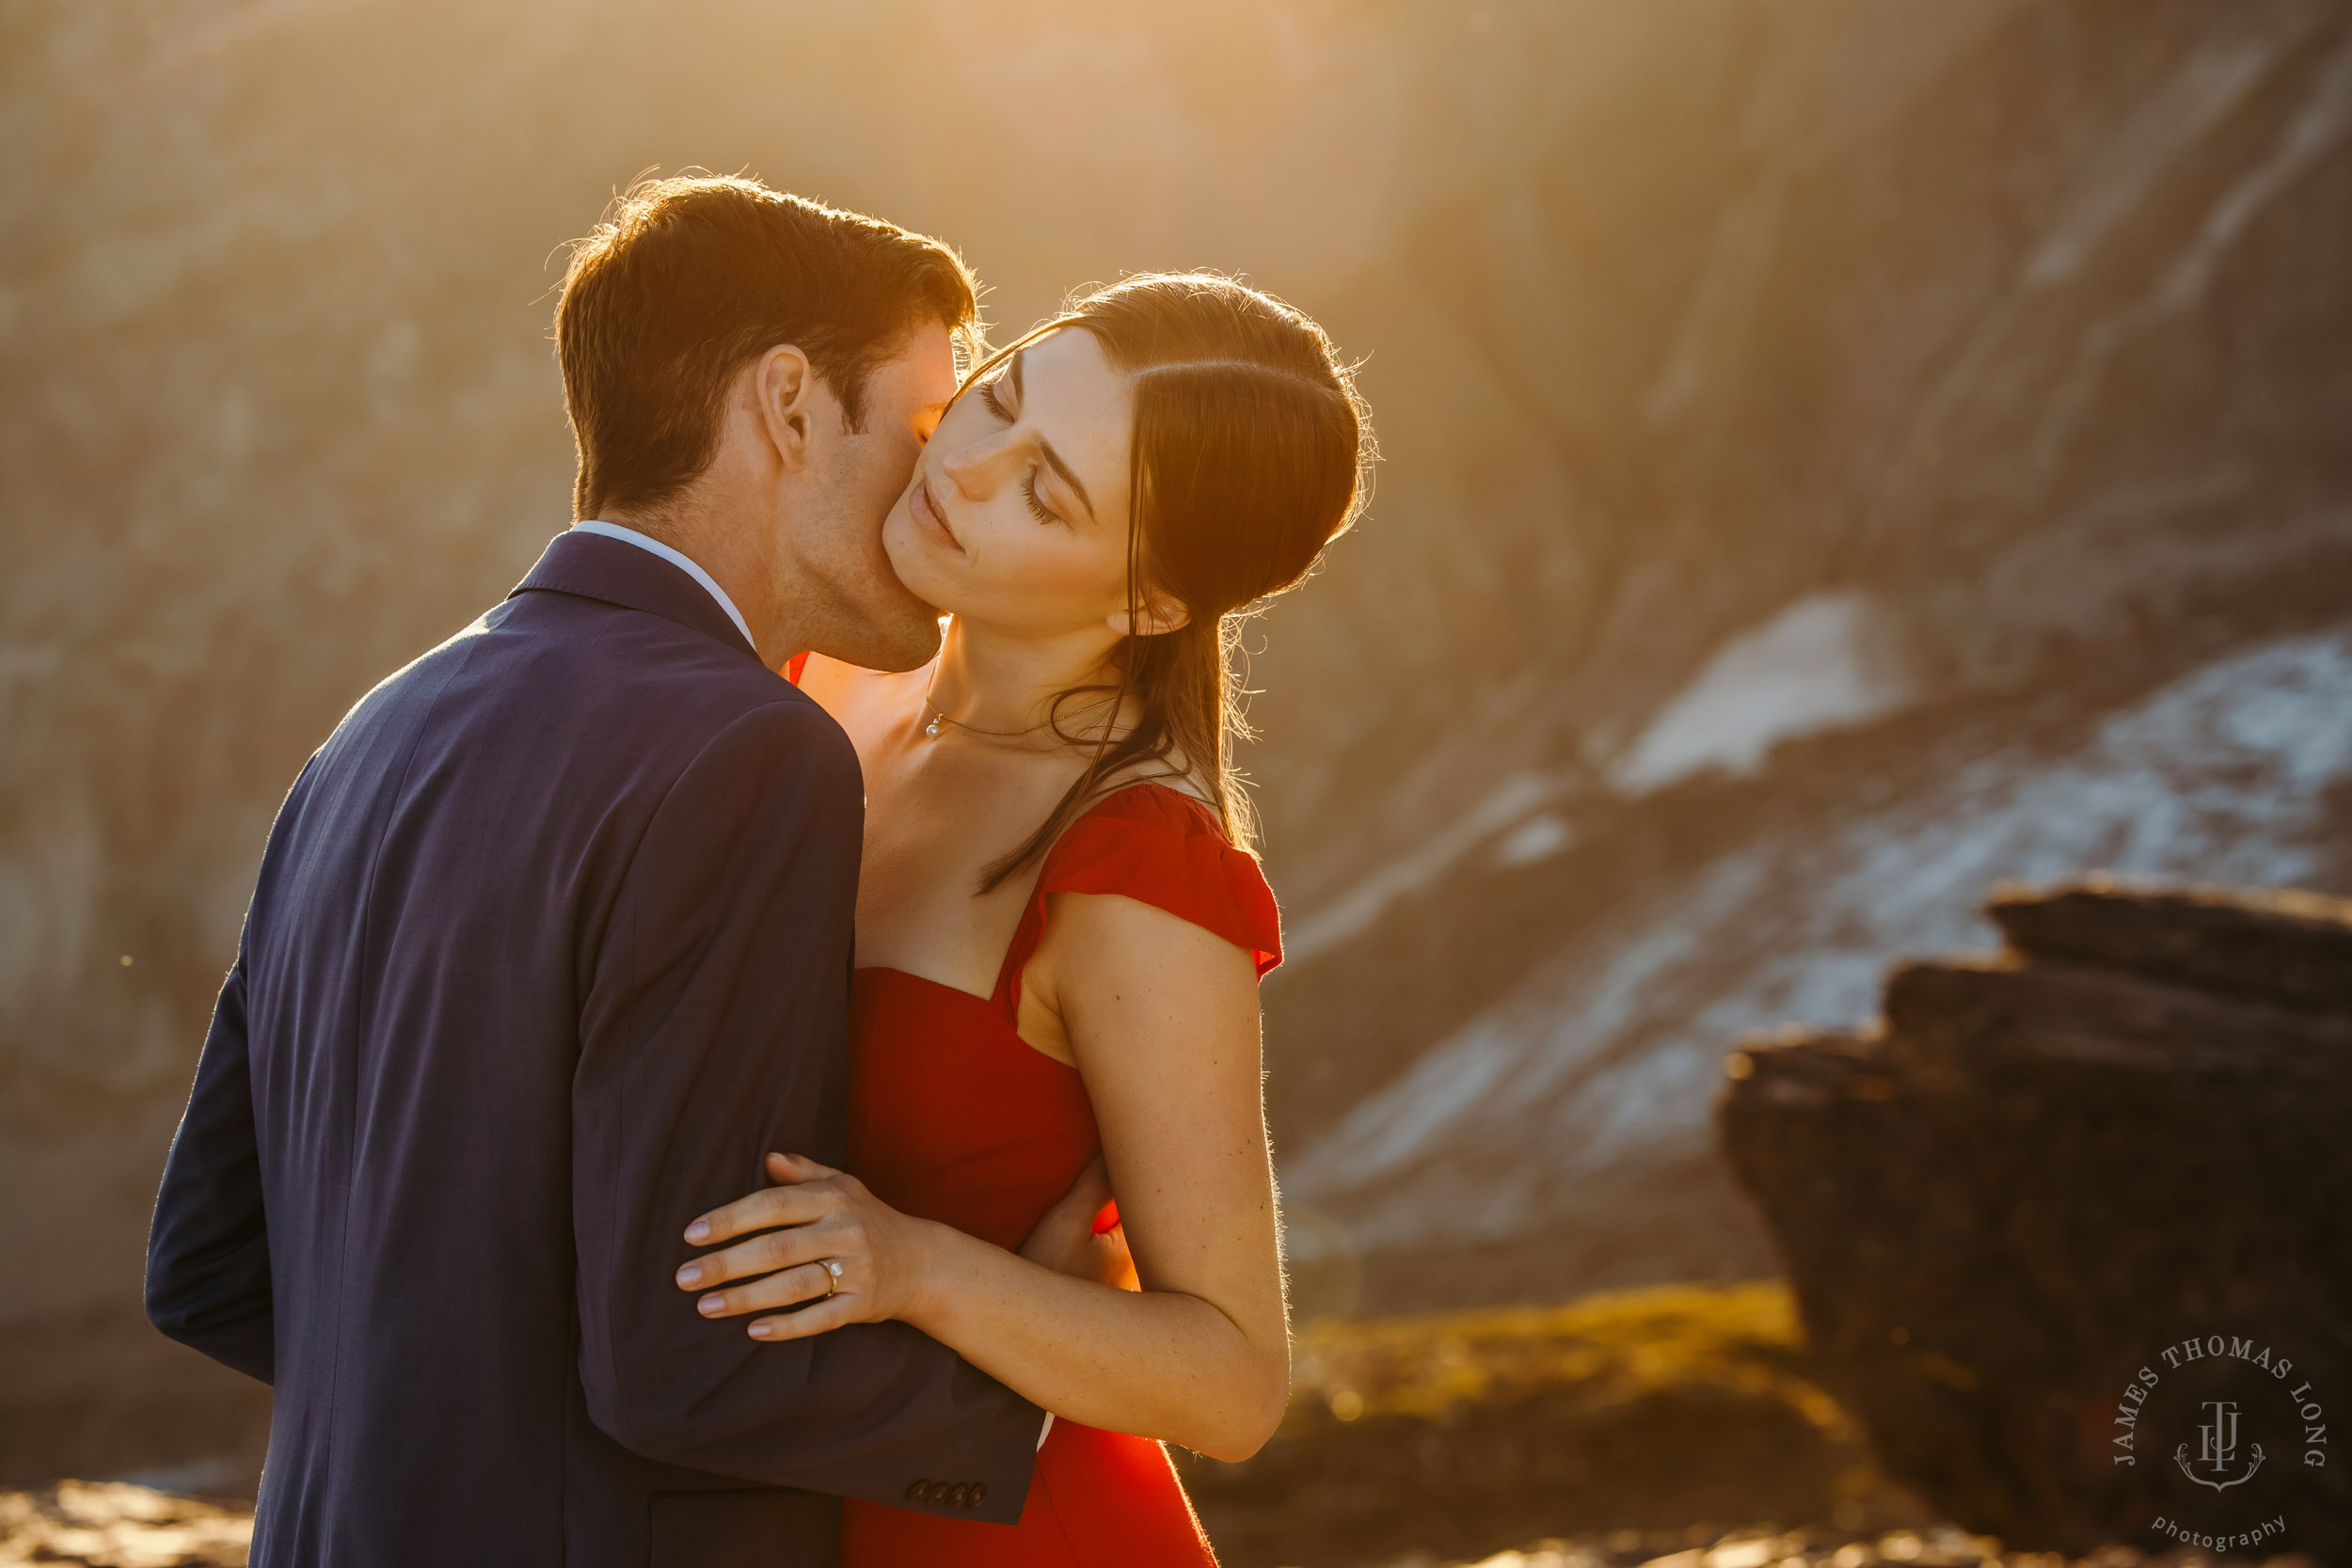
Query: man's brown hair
(691, 278)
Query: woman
(1061, 926)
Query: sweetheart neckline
(991, 998)
(910, 974)
(986, 1003)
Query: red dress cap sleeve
(1159, 846)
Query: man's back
(550, 944)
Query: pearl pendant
(931, 729)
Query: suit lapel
(617, 572)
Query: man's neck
(732, 551)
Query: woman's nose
(971, 468)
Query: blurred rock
(2006, 1209)
(1940, 1546)
(2288, 949)
(117, 1524)
(1642, 1412)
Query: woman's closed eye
(995, 404)
(989, 398)
(1028, 489)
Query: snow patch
(1539, 837)
(1823, 662)
(1354, 912)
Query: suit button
(979, 1493)
(919, 1492)
(959, 1496)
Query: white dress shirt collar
(678, 558)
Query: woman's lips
(927, 515)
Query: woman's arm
(1163, 1018)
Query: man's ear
(1160, 615)
(783, 392)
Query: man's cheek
(895, 467)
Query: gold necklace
(940, 716)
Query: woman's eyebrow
(1044, 446)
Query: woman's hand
(815, 1221)
(1067, 1241)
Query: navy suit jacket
(551, 943)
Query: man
(551, 944)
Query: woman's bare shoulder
(827, 678)
(1173, 777)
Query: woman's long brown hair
(1251, 451)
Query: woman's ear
(783, 387)
(1161, 615)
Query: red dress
(953, 1117)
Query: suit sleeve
(208, 1274)
(714, 1030)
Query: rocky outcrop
(2069, 1229)
(1642, 1415)
(1557, 1137)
